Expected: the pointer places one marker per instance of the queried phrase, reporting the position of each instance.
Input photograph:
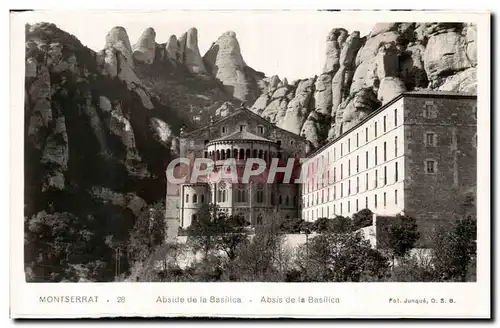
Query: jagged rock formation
(144, 49)
(362, 73)
(225, 62)
(91, 125)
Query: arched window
(247, 153)
(217, 155)
(255, 153)
(193, 218)
(195, 198)
(202, 198)
(260, 153)
(235, 153)
(260, 129)
(242, 154)
(187, 198)
(228, 153)
(224, 129)
(259, 219)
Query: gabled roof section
(241, 135)
(246, 111)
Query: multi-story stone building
(416, 154)
(239, 136)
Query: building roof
(416, 93)
(241, 135)
(437, 93)
(248, 112)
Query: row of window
(357, 137)
(241, 197)
(325, 178)
(310, 200)
(341, 210)
(243, 127)
(241, 153)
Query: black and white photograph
(159, 147)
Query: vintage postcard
(250, 164)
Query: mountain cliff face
(362, 73)
(100, 127)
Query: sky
(289, 44)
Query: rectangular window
(366, 202)
(334, 209)
(366, 134)
(375, 129)
(395, 146)
(348, 206)
(430, 139)
(334, 174)
(357, 140)
(334, 192)
(349, 145)
(375, 201)
(366, 181)
(357, 205)
(334, 153)
(385, 123)
(376, 178)
(349, 187)
(366, 159)
(385, 199)
(349, 168)
(357, 164)
(385, 175)
(430, 166)
(396, 196)
(357, 184)
(385, 151)
(340, 208)
(396, 172)
(341, 190)
(395, 117)
(341, 150)
(375, 155)
(341, 171)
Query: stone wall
(444, 195)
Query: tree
(322, 225)
(233, 232)
(262, 258)
(340, 257)
(363, 218)
(340, 224)
(455, 250)
(148, 232)
(403, 234)
(57, 248)
(292, 225)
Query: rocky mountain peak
(144, 49)
(362, 73)
(225, 62)
(118, 39)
